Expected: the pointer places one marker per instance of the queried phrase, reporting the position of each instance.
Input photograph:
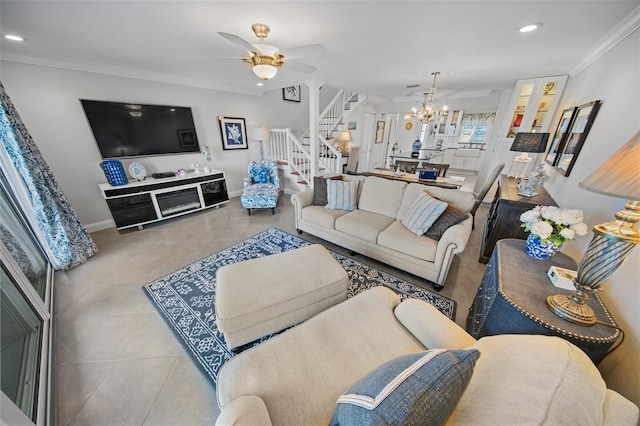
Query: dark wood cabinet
(503, 220)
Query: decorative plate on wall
(137, 171)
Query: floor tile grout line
(164, 383)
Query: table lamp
(525, 143)
(343, 142)
(260, 134)
(613, 241)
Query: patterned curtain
(68, 242)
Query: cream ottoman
(260, 296)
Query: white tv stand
(151, 200)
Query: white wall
(615, 80)
(405, 138)
(48, 102)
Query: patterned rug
(186, 297)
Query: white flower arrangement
(554, 223)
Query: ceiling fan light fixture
(267, 49)
(265, 72)
(529, 28)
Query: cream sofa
(374, 228)
(296, 377)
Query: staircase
(294, 154)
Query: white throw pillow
(424, 211)
(341, 195)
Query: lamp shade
(530, 142)
(260, 134)
(345, 137)
(619, 176)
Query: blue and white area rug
(186, 297)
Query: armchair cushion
(421, 388)
(260, 174)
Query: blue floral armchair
(261, 187)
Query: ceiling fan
(266, 59)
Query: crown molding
(126, 73)
(625, 28)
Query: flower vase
(540, 250)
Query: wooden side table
(503, 220)
(511, 300)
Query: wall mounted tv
(132, 130)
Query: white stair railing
(284, 146)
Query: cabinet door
(214, 192)
(533, 104)
(127, 211)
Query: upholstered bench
(260, 296)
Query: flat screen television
(133, 130)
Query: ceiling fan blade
(300, 67)
(238, 41)
(305, 51)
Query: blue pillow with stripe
(415, 389)
(424, 211)
(341, 195)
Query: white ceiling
(374, 47)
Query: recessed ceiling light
(13, 37)
(529, 28)
(260, 84)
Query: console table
(503, 220)
(511, 300)
(150, 200)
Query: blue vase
(416, 146)
(540, 250)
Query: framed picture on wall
(578, 132)
(233, 132)
(291, 93)
(560, 136)
(380, 131)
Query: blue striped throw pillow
(341, 195)
(415, 389)
(424, 211)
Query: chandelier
(427, 112)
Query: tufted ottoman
(260, 296)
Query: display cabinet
(449, 123)
(533, 104)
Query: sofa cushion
(341, 195)
(300, 373)
(461, 200)
(549, 381)
(424, 211)
(321, 216)
(362, 224)
(420, 388)
(399, 238)
(450, 217)
(320, 189)
(382, 196)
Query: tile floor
(118, 363)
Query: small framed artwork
(291, 93)
(380, 131)
(578, 132)
(234, 133)
(560, 136)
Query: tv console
(151, 200)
